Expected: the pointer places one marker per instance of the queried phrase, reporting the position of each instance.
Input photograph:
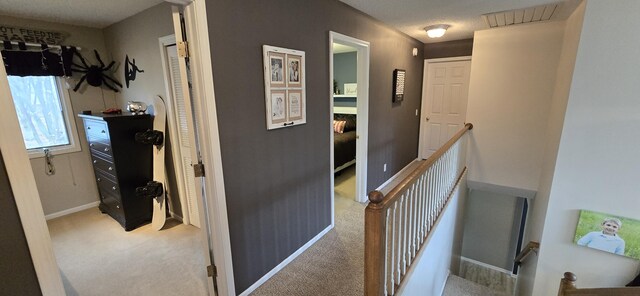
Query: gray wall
(345, 66)
(278, 182)
(492, 238)
(73, 184)
(455, 48)
(16, 267)
(137, 36)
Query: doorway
(40, 244)
(349, 105)
(444, 101)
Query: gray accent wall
(278, 182)
(16, 267)
(447, 49)
(345, 66)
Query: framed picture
(294, 107)
(294, 75)
(284, 86)
(351, 89)
(608, 233)
(276, 70)
(277, 103)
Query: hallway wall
(277, 182)
(597, 163)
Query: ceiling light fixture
(436, 31)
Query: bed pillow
(349, 118)
(338, 126)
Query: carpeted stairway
(457, 286)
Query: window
(44, 111)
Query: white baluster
(393, 247)
(386, 252)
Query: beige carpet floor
(334, 265)
(97, 257)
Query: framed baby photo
(608, 233)
(284, 87)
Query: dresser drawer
(96, 129)
(100, 146)
(115, 206)
(107, 185)
(103, 165)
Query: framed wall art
(609, 233)
(284, 86)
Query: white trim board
(286, 262)
(213, 207)
(72, 210)
(500, 189)
(444, 285)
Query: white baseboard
(444, 285)
(72, 210)
(284, 263)
(396, 175)
(176, 216)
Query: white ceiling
(464, 16)
(89, 13)
(408, 16)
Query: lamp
(436, 31)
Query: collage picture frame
(284, 79)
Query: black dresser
(120, 165)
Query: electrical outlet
(384, 167)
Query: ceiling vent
(521, 16)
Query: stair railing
(399, 223)
(568, 288)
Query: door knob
(428, 119)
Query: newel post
(374, 245)
(567, 283)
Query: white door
(444, 101)
(181, 115)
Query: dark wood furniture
(120, 165)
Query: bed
(344, 144)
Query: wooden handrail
(379, 200)
(530, 247)
(417, 212)
(568, 287)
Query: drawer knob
(95, 161)
(88, 127)
(114, 187)
(103, 131)
(110, 168)
(117, 206)
(91, 145)
(99, 180)
(106, 149)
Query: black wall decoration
(130, 70)
(94, 75)
(398, 85)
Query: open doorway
(349, 76)
(99, 253)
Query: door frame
(215, 223)
(27, 198)
(213, 210)
(423, 108)
(362, 117)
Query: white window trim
(70, 124)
